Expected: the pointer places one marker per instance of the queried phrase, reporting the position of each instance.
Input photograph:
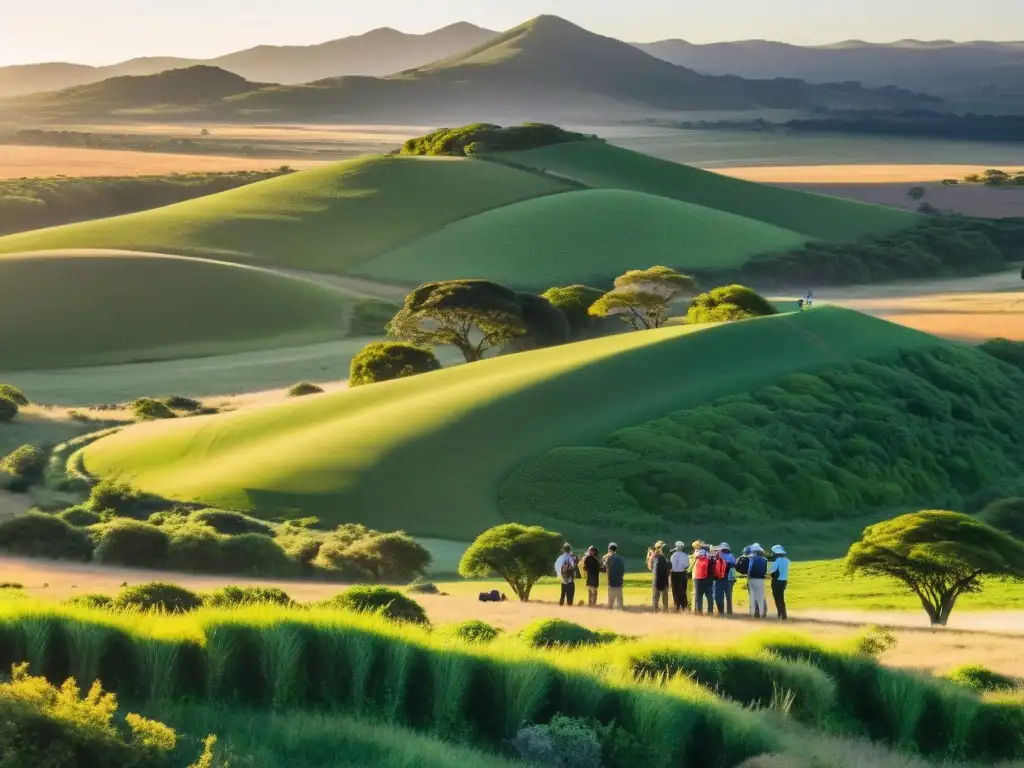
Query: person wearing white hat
(779, 572)
(658, 565)
(756, 573)
(680, 562)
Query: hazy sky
(107, 31)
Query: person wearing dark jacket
(658, 565)
(779, 571)
(592, 567)
(724, 584)
(756, 573)
(615, 567)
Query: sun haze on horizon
(109, 31)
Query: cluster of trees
(479, 138)
(47, 202)
(821, 446)
(120, 526)
(993, 177)
(945, 246)
(479, 316)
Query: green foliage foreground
(931, 427)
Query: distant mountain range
(942, 67)
(377, 53)
(545, 68)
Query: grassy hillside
(76, 309)
(601, 165)
(454, 435)
(327, 219)
(590, 235)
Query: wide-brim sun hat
(778, 549)
(679, 545)
(756, 548)
(659, 544)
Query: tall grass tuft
(282, 649)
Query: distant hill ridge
(541, 68)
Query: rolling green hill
(429, 453)
(590, 235)
(61, 310)
(328, 219)
(601, 165)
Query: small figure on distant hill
(658, 565)
(780, 578)
(592, 567)
(566, 569)
(809, 299)
(680, 562)
(800, 304)
(616, 569)
(756, 573)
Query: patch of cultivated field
(992, 636)
(18, 161)
(967, 199)
(853, 174)
(356, 136)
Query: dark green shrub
(551, 633)
(158, 596)
(8, 410)
(80, 516)
(475, 631)
(389, 603)
(117, 499)
(730, 302)
(179, 403)
(131, 543)
(300, 547)
(387, 360)
(230, 523)
(574, 301)
(996, 732)
(363, 555)
(231, 597)
(39, 535)
(91, 601)
(370, 317)
(252, 554)
(194, 548)
(25, 464)
(148, 409)
(982, 679)
(1010, 352)
(1007, 515)
(13, 394)
(563, 742)
(304, 388)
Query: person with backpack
(659, 567)
(703, 579)
(565, 569)
(592, 567)
(756, 572)
(779, 571)
(615, 567)
(725, 578)
(680, 562)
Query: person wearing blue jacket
(756, 572)
(779, 572)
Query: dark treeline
(917, 123)
(35, 203)
(201, 145)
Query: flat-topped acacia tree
(520, 554)
(471, 315)
(938, 555)
(641, 297)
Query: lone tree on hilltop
(520, 554)
(387, 360)
(641, 296)
(939, 555)
(730, 302)
(472, 315)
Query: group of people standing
(713, 570)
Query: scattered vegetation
(982, 679)
(377, 599)
(558, 633)
(25, 465)
(157, 596)
(13, 394)
(304, 388)
(482, 138)
(475, 631)
(235, 597)
(148, 409)
(387, 360)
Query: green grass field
(601, 165)
(83, 309)
(455, 434)
(327, 219)
(590, 235)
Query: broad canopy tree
(520, 554)
(471, 315)
(641, 297)
(938, 555)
